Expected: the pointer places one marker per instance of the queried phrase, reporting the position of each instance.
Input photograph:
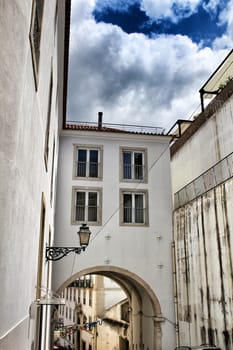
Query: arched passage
(146, 317)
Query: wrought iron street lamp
(57, 253)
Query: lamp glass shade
(84, 235)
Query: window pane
(82, 162)
(80, 206)
(127, 203)
(92, 206)
(127, 165)
(93, 171)
(139, 211)
(138, 166)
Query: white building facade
(32, 68)
(119, 184)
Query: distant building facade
(115, 332)
(84, 304)
(81, 321)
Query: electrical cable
(140, 182)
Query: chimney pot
(100, 119)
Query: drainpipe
(175, 293)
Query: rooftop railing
(125, 127)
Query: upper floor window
(133, 164)
(46, 148)
(35, 34)
(134, 208)
(87, 205)
(88, 162)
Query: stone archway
(146, 317)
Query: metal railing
(135, 172)
(154, 130)
(133, 215)
(87, 169)
(86, 213)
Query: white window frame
(87, 190)
(133, 178)
(131, 192)
(88, 148)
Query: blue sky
(200, 25)
(144, 61)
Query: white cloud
(170, 9)
(226, 17)
(134, 79)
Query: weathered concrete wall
(206, 142)
(204, 240)
(202, 171)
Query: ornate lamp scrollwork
(57, 253)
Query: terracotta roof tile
(84, 127)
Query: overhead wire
(151, 167)
(136, 186)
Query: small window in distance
(125, 311)
(88, 162)
(133, 164)
(35, 34)
(90, 297)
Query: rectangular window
(125, 312)
(133, 165)
(87, 204)
(134, 208)
(90, 298)
(46, 147)
(88, 162)
(35, 34)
